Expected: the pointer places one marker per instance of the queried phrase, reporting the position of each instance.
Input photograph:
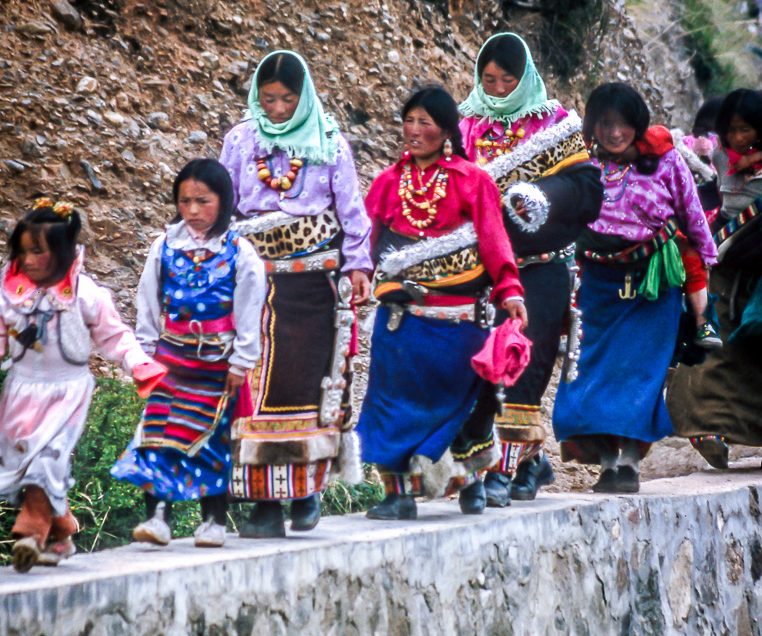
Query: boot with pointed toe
(394, 507)
(305, 513)
(530, 476)
(265, 522)
(473, 499)
(497, 488)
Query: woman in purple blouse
(630, 294)
(299, 203)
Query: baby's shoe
(57, 551)
(155, 530)
(209, 535)
(26, 553)
(707, 337)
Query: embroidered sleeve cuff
(535, 203)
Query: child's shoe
(209, 535)
(26, 553)
(57, 551)
(155, 530)
(707, 337)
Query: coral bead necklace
(283, 182)
(424, 198)
(493, 144)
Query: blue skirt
(421, 388)
(626, 349)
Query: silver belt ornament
(312, 263)
(569, 371)
(332, 386)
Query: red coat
(471, 196)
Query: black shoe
(497, 487)
(265, 522)
(473, 499)
(713, 450)
(394, 507)
(530, 476)
(305, 513)
(607, 482)
(627, 480)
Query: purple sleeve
(231, 159)
(688, 209)
(350, 210)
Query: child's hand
(233, 382)
(516, 309)
(747, 161)
(360, 287)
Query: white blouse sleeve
(149, 299)
(248, 299)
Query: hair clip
(43, 202)
(63, 209)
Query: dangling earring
(447, 150)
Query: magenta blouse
(637, 207)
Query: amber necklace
(419, 198)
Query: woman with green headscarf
(534, 151)
(299, 203)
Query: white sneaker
(209, 535)
(155, 530)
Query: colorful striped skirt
(180, 417)
(625, 352)
(281, 450)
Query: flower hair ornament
(61, 208)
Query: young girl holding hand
(49, 312)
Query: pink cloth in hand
(148, 376)
(505, 355)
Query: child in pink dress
(49, 313)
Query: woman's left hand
(233, 382)
(516, 309)
(360, 287)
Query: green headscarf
(528, 98)
(310, 134)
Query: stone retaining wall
(683, 557)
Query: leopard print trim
(305, 234)
(538, 165)
(530, 160)
(443, 266)
(395, 261)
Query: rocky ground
(102, 101)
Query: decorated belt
(198, 327)
(328, 260)
(555, 256)
(213, 339)
(453, 313)
(737, 222)
(639, 251)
